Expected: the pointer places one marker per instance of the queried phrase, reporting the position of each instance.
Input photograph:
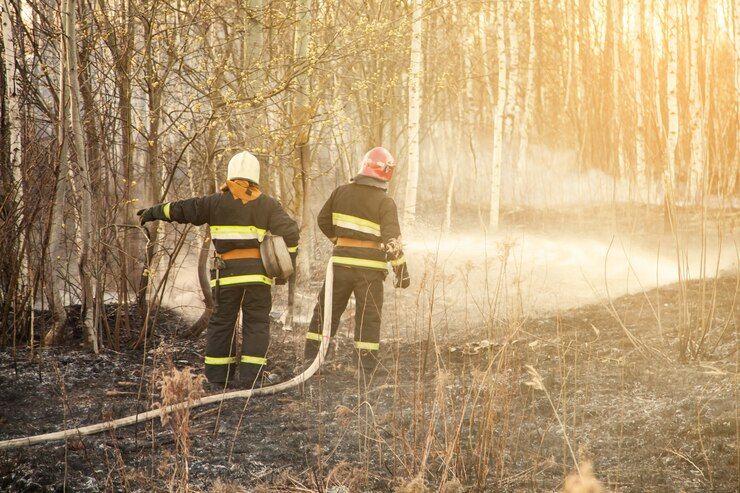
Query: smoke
(476, 278)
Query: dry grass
(583, 482)
(179, 386)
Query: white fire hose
(211, 399)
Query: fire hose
(211, 399)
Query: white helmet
(245, 166)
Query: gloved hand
(145, 215)
(403, 279)
(280, 281)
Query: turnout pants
(367, 286)
(255, 302)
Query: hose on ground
(211, 399)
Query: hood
(243, 190)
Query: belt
(240, 253)
(343, 241)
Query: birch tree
(69, 16)
(696, 111)
(672, 23)
(529, 98)
(414, 115)
(498, 119)
(637, 42)
(8, 16)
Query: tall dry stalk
(175, 387)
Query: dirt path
(471, 411)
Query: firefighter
(362, 222)
(239, 216)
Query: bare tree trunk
(413, 129)
(526, 121)
(616, 92)
(512, 88)
(640, 171)
(8, 17)
(672, 21)
(55, 260)
(69, 12)
(735, 168)
(696, 111)
(498, 119)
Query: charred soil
(612, 384)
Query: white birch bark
(512, 88)
(616, 88)
(637, 42)
(414, 94)
(69, 13)
(526, 120)
(672, 22)
(498, 119)
(12, 97)
(54, 260)
(696, 113)
(735, 167)
(487, 77)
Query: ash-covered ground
(510, 407)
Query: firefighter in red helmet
(362, 222)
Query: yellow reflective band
(227, 360)
(355, 223)
(237, 233)
(371, 346)
(247, 278)
(166, 210)
(293, 249)
(359, 262)
(255, 360)
(400, 260)
(313, 336)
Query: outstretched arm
(190, 211)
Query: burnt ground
(472, 416)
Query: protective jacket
(235, 224)
(363, 211)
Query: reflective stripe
(359, 262)
(226, 360)
(255, 360)
(400, 260)
(313, 336)
(237, 233)
(247, 278)
(293, 249)
(166, 210)
(371, 346)
(355, 223)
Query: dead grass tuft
(453, 486)
(343, 415)
(585, 482)
(220, 486)
(416, 485)
(178, 386)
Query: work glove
(145, 215)
(280, 281)
(403, 279)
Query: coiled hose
(211, 399)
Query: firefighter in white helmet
(239, 216)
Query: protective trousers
(255, 302)
(367, 286)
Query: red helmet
(378, 163)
